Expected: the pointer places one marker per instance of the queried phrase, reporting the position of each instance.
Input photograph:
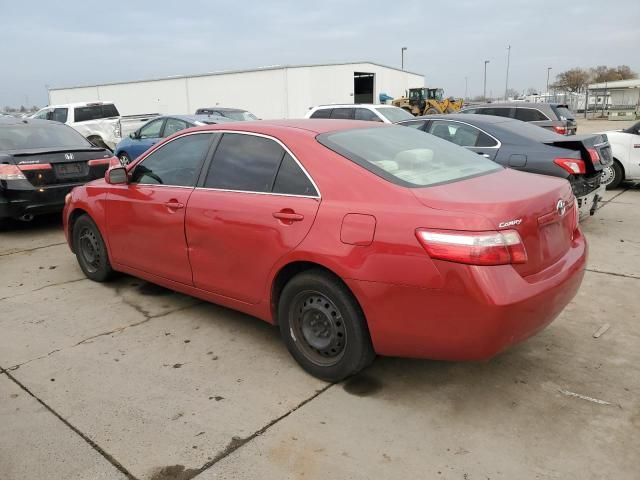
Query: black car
(40, 162)
(523, 146)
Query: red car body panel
(228, 247)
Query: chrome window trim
(470, 125)
(285, 148)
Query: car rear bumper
(36, 201)
(479, 312)
(587, 204)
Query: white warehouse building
(269, 92)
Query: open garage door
(363, 87)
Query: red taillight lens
(111, 162)
(10, 172)
(560, 130)
(594, 155)
(35, 166)
(473, 248)
(571, 165)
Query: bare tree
(573, 80)
(512, 93)
(532, 91)
(602, 73)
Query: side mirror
(116, 176)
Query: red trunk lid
(525, 202)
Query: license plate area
(71, 169)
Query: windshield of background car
(394, 114)
(564, 113)
(31, 136)
(407, 157)
(241, 116)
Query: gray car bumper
(588, 203)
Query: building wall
(276, 93)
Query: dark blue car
(154, 130)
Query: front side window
(394, 114)
(530, 115)
(42, 115)
(244, 162)
(461, 134)
(177, 163)
(173, 125)
(59, 115)
(152, 129)
(407, 157)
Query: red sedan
(354, 238)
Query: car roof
(516, 104)
(353, 105)
(223, 109)
(196, 118)
(78, 104)
(313, 125)
(464, 117)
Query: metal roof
(228, 72)
(633, 83)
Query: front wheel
(612, 176)
(323, 326)
(91, 251)
(124, 159)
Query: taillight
(571, 165)
(594, 155)
(473, 248)
(560, 130)
(99, 161)
(10, 172)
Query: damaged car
(580, 159)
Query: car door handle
(288, 216)
(483, 154)
(174, 205)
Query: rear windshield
(407, 157)
(394, 114)
(95, 112)
(30, 136)
(564, 113)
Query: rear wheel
(323, 326)
(90, 249)
(612, 175)
(432, 111)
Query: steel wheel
(612, 176)
(90, 250)
(318, 323)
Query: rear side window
(407, 157)
(177, 163)
(95, 112)
(530, 115)
(291, 180)
(322, 113)
(244, 162)
(344, 113)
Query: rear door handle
(174, 205)
(288, 216)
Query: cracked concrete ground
(130, 380)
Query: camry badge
(510, 223)
(561, 207)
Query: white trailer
(269, 92)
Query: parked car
(40, 162)
(356, 238)
(625, 147)
(521, 146)
(236, 114)
(99, 122)
(362, 111)
(556, 117)
(161, 127)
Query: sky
(71, 42)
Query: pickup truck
(98, 122)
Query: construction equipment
(428, 101)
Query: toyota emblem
(561, 207)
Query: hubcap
(89, 250)
(319, 328)
(124, 160)
(608, 175)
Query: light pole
(547, 92)
(484, 95)
(506, 83)
(402, 55)
(466, 87)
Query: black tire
(124, 159)
(613, 176)
(323, 326)
(90, 249)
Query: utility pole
(506, 83)
(484, 95)
(402, 55)
(547, 92)
(466, 88)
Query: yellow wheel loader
(428, 101)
